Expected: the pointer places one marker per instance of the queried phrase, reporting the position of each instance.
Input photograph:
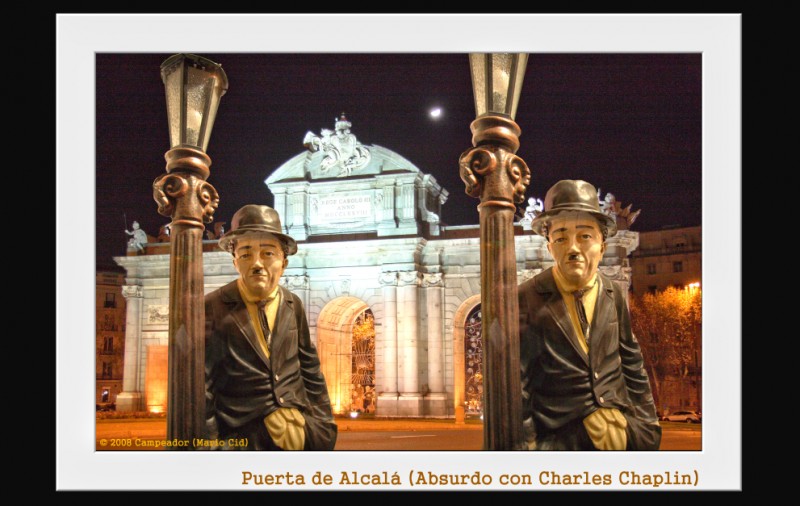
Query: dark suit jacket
(561, 385)
(243, 385)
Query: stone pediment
(308, 166)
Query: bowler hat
(572, 195)
(255, 219)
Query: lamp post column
(184, 195)
(194, 86)
(493, 173)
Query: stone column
(406, 211)
(297, 217)
(130, 399)
(409, 402)
(615, 263)
(385, 204)
(281, 204)
(387, 375)
(435, 401)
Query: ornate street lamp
(492, 172)
(194, 86)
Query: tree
(667, 325)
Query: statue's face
(577, 246)
(260, 262)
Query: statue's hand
(286, 428)
(606, 428)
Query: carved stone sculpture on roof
(341, 148)
(139, 238)
(612, 207)
(535, 206)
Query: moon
(436, 112)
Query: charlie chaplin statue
(263, 379)
(584, 386)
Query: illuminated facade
(370, 242)
(669, 257)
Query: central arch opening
(346, 348)
(473, 357)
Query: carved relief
(294, 282)
(616, 272)
(388, 279)
(167, 188)
(473, 163)
(171, 190)
(520, 176)
(157, 314)
(406, 278)
(432, 279)
(209, 199)
(131, 291)
(476, 164)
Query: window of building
(107, 370)
(651, 268)
(111, 300)
(677, 266)
(652, 289)
(108, 345)
(104, 396)
(108, 322)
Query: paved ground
(375, 434)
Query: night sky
(628, 123)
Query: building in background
(672, 257)
(668, 257)
(109, 337)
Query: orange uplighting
(155, 380)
